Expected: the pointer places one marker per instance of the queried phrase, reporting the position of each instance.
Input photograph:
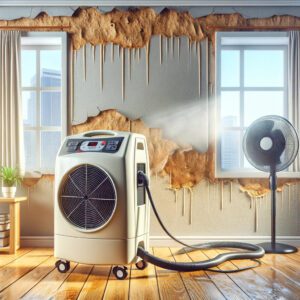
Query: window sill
(36, 174)
(257, 174)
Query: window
(251, 82)
(43, 99)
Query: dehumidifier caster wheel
(62, 266)
(141, 265)
(120, 272)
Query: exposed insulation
(259, 187)
(159, 149)
(188, 168)
(134, 28)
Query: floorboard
(278, 285)
(22, 265)
(31, 274)
(225, 284)
(170, 283)
(143, 283)
(198, 284)
(96, 283)
(27, 282)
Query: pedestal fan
(271, 144)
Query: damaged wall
(133, 28)
(189, 173)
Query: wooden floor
(30, 274)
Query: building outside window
(43, 99)
(251, 81)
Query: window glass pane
(230, 109)
(230, 68)
(230, 149)
(29, 108)
(28, 68)
(261, 103)
(30, 150)
(50, 108)
(50, 68)
(264, 68)
(50, 142)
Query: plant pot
(9, 191)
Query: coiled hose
(254, 252)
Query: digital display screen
(92, 144)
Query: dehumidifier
(101, 216)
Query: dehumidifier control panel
(109, 145)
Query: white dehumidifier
(101, 214)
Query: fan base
(278, 248)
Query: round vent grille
(88, 197)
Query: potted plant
(10, 178)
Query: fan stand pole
(274, 247)
(273, 187)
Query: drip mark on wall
(123, 73)
(230, 196)
(93, 52)
(104, 52)
(208, 194)
(147, 50)
(72, 65)
(199, 67)
(84, 61)
(172, 46)
(191, 204)
(101, 65)
(112, 54)
(139, 54)
(119, 50)
(160, 49)
(129, 63)
(167, 46)
(256, 215)
(189, 53)
(183, 202)
(178, 47)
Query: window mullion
(38, 111)
(242, 110)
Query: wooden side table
(14, 231)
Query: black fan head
(271, 143)
(87, 197)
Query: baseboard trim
(37, 241)
(164, 241)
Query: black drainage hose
(254, 252)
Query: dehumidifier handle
(99, 132)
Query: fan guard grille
(88, 197)
(285, 139)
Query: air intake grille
(88, 197)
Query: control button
(72, 143)
(72, 148)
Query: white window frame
(243, 41)
(43, 41)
